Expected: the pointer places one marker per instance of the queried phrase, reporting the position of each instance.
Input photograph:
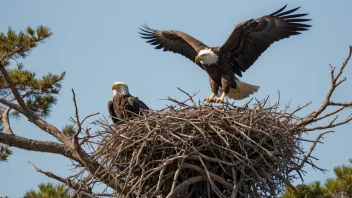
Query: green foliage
(5, 152)
(38, 93)
(69, 130)
(341, 186)
(41, 104)
(48, 190)
(15, 45)
(312, 190)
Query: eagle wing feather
(112, 112)
(251, 38)
(174, 41)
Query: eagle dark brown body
(125, 107)
(218, 73)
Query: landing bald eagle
(124, 105)
(246, 43)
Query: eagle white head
(120, 88)
(206, 57)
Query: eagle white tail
(243, 90)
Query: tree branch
(11, 105)
(334, 83)
(349, 104)
(311, 149)
(78, 122)
(30, 115)
(5, 120)
(66, 181)
(330, 125)
(36, 145)
(15, 92)
(185, 184)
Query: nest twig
(202, 151)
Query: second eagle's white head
(120, 88)
(206, 57)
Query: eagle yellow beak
(198, 59)
(114, 86)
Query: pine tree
(38, 94)
(49, 190)
(313, 190)
(5, 152)
(339, 187)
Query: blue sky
(97, 43)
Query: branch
(311, 149)
(79, 123)
(5, 120)
(189, 96)
(15, 92)
(88, 116)
(36, 145)
(185, 184)
(349, 104)
(11, 105)
(27, 112)
(66, 181)
(77, 118)
(330, 125)
(335, 82)
(329, 114)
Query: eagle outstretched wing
(174, 41)
(251, 38)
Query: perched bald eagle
(124, 106)
(246, 43)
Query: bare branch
(78, 122)
(6, 121)
(88, 116)
(66, 181)
(329, 114)
(330, 125)
(347, 104)
(36, 145)
(307, 156)
(334, 83)
(211, 175)
(185, 184)
(11, 105)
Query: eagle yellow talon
(222, 98)
(210, 99)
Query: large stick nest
(203, 151)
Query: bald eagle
(246, 43)
(124, 105)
